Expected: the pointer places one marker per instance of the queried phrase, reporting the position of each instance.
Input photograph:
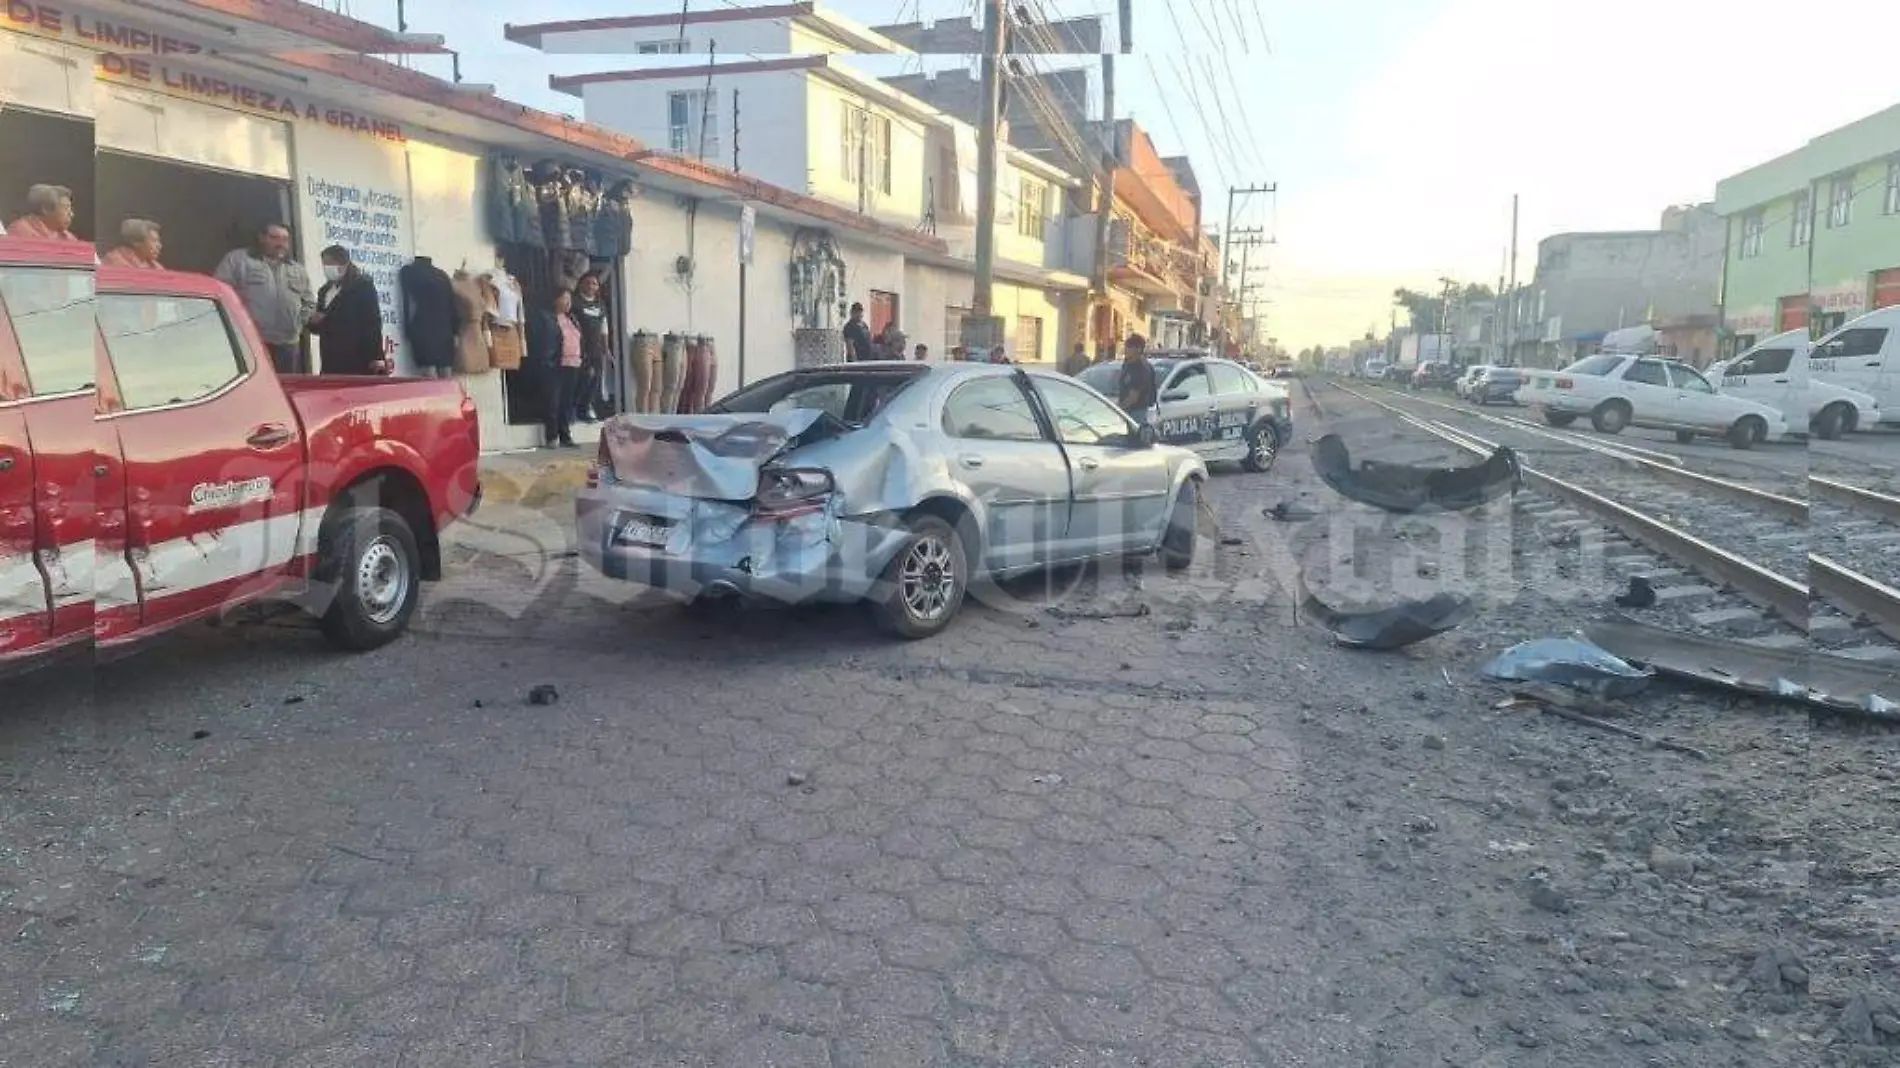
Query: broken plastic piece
(1288, 512)
(1569, 662)
(1823, 680)
(1396, 627)
(1406, 488)
(1640, 594)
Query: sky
(1397, 131)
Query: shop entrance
(36, 148)
(202, 212)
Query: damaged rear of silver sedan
(895, 484)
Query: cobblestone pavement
(775, 839)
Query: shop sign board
(1847, 297)
(355, 193)
(145, 57)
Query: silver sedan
(892, 483)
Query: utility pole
(1511, 351)
(981, 331)
(1111, 161)
(1233, 195)
(742, 251)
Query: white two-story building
(779, 77)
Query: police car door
(1239, 401)
(1188, 412)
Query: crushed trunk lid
(714, 457)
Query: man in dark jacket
(1137, 386)
(349, 318)
(857, 336)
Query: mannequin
(431, 317)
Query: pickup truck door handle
(100, 470)
(972, 461)
(6, 463)
(269, 436)
(1088, 463)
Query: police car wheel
(374, 570)
(1263, 448)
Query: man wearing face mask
(349, 319)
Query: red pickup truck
(155, 470)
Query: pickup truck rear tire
(1610, 417)
(1559, 418)
(371, 560)
(1747, 430)
(923, 586)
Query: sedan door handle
(972, 461)
(1088, 463)
(269, 436)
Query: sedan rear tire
(1559, 418)
(1610, 417)
(1833, 421)
(923, 586)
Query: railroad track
(1822, 596)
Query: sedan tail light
(1566, 383)
(786, 492)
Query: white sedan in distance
(1617, 391)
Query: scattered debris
(1233, 541)
(1134, 611)
(1396, 627)
(544, 694)
(1288, 512)
(200, 734)
(1434, 741)
(797, 778)
(294, 699)
(1837, 683)
(1657, 741)
(1575, 700)
(1569, 662)
(1406, 488)
(1640, 594)
(1778, 971)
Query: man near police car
(1136, 390)
(276, 291)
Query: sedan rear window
(847, 395)
(1595, 365)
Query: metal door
(1120, 497)
(999, 452)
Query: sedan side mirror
(1175, 395)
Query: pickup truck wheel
(1611, 417)
(1747, 430)
(1832, 422)
(1184, 528)
(371, 560)
(1559, 418)
(1263, 447)
(923, 585)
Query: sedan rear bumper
(715, 548)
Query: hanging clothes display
(471, 339)
(710, 382)
(513, 215)
(645, 349)
(430, 313)
(692, 382)
(580, 197)
(613, 225)
(505, 341)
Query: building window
(1751, 236)
(671, 47)
(1840, 202)
(692, 120)
(1033, 211)
(1893, 187)
(1803, 229)
(866, 144)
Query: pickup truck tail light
(788, 492)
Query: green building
(1813, 236)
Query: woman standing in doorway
(554, 349)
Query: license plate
(643, 530)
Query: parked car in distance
(1398, 373)
(1465, 379)
(1434, 375)
(1493, 385)
(156, 471)
(1864, 355)
(1216, 407)
(1617, 391)
(1776, 372)
(896, 484)
(1374, 370)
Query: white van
(1864, 354)
(1777, 372)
